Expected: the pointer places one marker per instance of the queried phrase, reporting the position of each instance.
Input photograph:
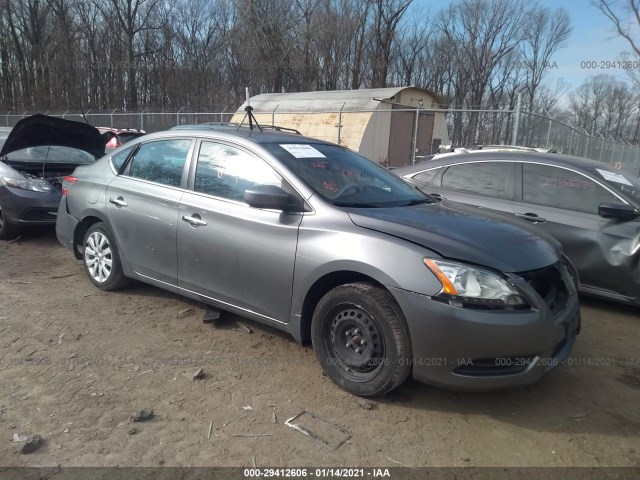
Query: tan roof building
(378, 123)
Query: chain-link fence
(540, 131)
(394, 136)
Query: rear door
(227, 250)
(143, 207)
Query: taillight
(113, 143)
(68, 179)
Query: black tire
(104, 276)
(8, 231)
(353, 313)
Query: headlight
(468, 286)
(27, 184)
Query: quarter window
(561, 188)
(225, 171)
(119, 158)
(425, 177)
(488, 178)
(161, 162)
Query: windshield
(621, 182)
(345, 178)
(51, 154)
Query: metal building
(379, 123)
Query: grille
(548, 283)
(39, 214)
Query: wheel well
(81, 229)
(320, 288)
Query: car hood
(466, 233)
(43, 130)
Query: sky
(592, 40)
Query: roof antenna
(249, 110)
(84, 116)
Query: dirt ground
(77, 362)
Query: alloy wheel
(98, 256)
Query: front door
(227, 250)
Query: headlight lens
(469, 286)
(27, 184)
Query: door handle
(118, 202)
(194, 221)
(531, 217)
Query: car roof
(488, 155)
(267, 135)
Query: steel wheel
(361, 339)
(356, 342)
(98, 256)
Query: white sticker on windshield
(299, 150)
(614, 177)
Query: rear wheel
(101, 259)
(361, 339)
(7, 229)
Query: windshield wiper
(354, 205)
(417, 202)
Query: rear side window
(561, 188)
(160, 162)
(226, 172)
(487, 178)
(119, 158)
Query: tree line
(201, 54)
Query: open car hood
(43, 130)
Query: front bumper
(25, 207)
(475, 350)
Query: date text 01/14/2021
(316, 472)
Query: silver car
(315, 240)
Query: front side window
(343, 177)
(161, 162)
(486, 178)
(562, 188)
(226, 172)
(619, 181)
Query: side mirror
(267, 196)
(437, 196)
(620, 211)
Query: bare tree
(133, 17)
(386, 17)
(548, 32)
(625, 16)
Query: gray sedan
(592, 209)
(317, 241)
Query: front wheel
(8, 231)
(361, 339)
(101, 259)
